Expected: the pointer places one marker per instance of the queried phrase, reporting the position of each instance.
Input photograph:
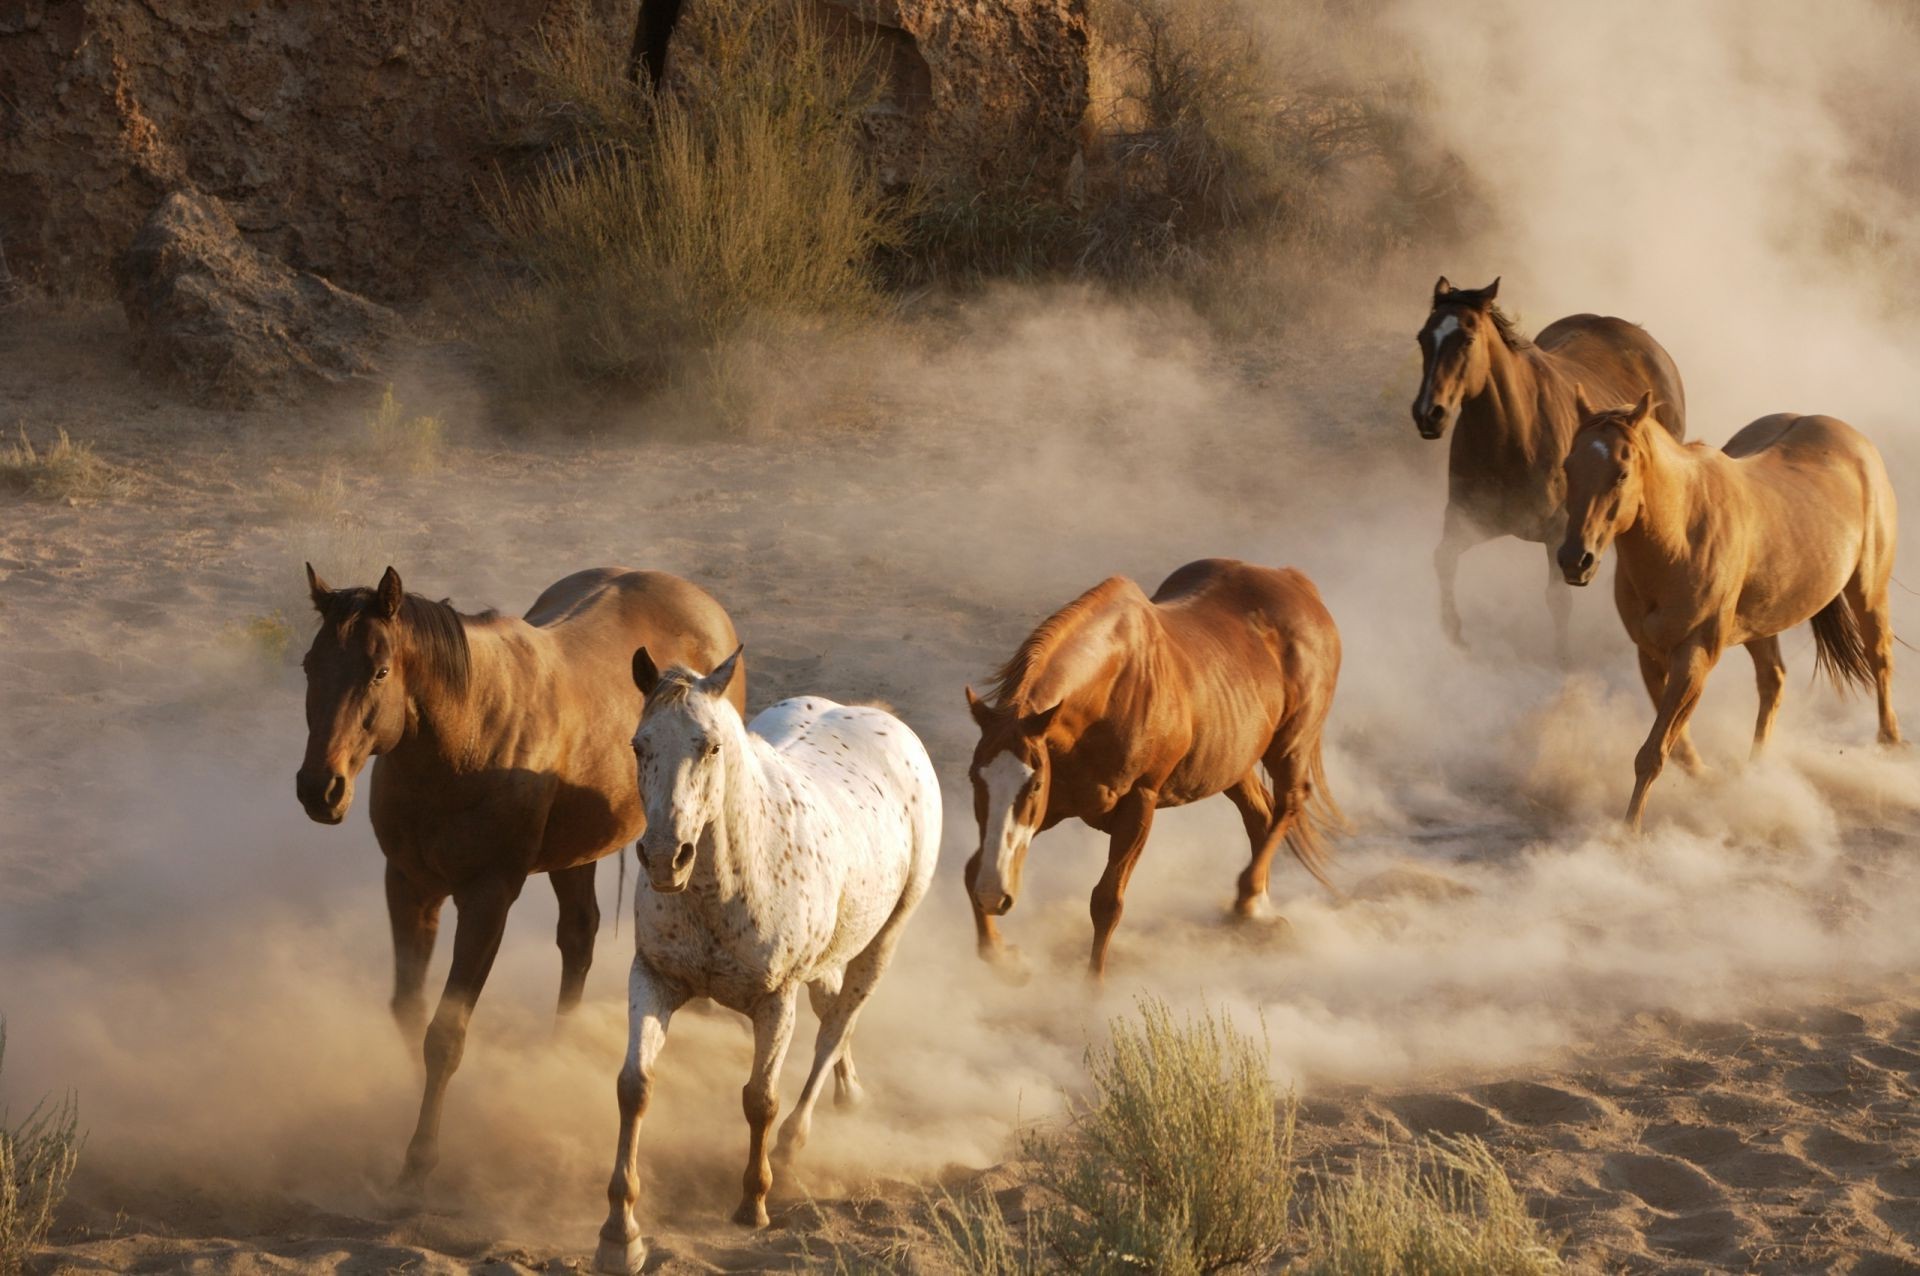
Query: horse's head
(689, 734)
(1603, 481)
(356, 690)
(1011, 773)
(1453, 354)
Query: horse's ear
(1036, 724)
(1491, 291)
(318, 590)
(716, 682)
(1580, 403)
(1644, 408)
(388, 595)
(982, 711)
(646, 674)
(1441, 288)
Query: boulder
(231, 325)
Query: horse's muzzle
(1577, 564)
(995, 906)
(668, 875)
(325, 795)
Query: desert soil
(889, 533)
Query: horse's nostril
(683, 856)
(1586, 561)
(336, 789)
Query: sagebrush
(37, 1157)
(1181, 1159)
(1441, 1208)
(664, 224)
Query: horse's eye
(380, 674)
(713, 749)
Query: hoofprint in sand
(1691, 1051)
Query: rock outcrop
(233, 326)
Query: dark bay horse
(1793, 520)
(1510, 403)
(1120, 704)
(503, 751)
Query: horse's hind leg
(1876, 635)
(482, 921)
(415, 917)
(838, 1009)
(1654, 675)
(1769, 675)
(1264, 833)
(579, 923)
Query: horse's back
(1613, 359)
(603, 614)
(1227, 591)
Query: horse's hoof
(751, 1214)
(849, 1094)
(621, 1258)
(1009, 965)
(1257, 909)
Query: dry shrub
(412, 442)
(666, 224)
(65, 470)
(1445, 1208)
(37, 1157)
(1182, 1160)
(971, 1235)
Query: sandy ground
(1697, 1053)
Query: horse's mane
(1006, 680)
(1508, 333)
(436, 633)
(675, 685)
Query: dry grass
(64, 470)
(665, 225)
(1181, 1161)
(1445, 1208)
(37, 1157)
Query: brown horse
(1794, 520)
(1118, 705)
(503, 751)
(1512, 401)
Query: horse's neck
(1673, 483)
(459, 725)
(1505, 422)
(741, 834)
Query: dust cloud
(209, 970)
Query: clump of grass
(316, 498)
(665, 224)
(1444, 1208)
(410, 441)
(1181, 1162)
(64, 470)
(268, 636)
(37, 1157)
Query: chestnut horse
(1793, 520)
(502, 748)
(1120, 704)
(1512, 403)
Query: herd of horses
(790, 851)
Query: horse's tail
(1304, 835)
(1838, 649)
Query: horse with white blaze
(784, 853)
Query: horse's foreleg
(1457, 536)
(482, 920)
(1264, 832)
(1559, 602)
(1769, 675)
(986, 932)
(760, 1099)
(415, 917)
(1654, 675)
(1686, 676)
(1876, 634)
(1127, 830)
(579, 923)
(650, 1005)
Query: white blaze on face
(1444, 329)
(1003, 837)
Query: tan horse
(1794, 520)
(503, 752)
(1118, 705)
(1512, 400)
